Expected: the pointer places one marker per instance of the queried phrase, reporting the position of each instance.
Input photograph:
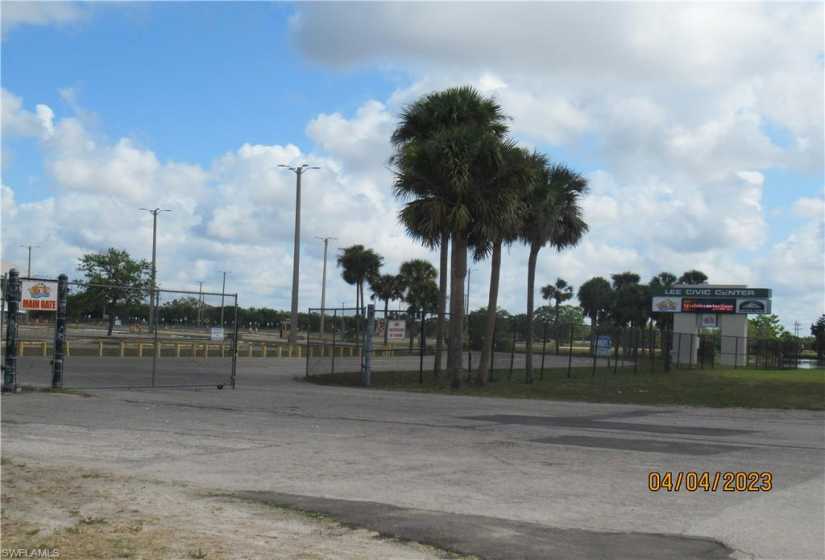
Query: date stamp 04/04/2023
(706, 481)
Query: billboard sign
(756, 306)
(216, 333)
(710, 292)
(38, 295)
(708, 321)
(667, 304)
(708, 305)
(396, 330)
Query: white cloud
(810, 208)
(17, 121)
(16, 13)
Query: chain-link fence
(109, 337)
(406, 342)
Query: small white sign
(666, 304)
(708, 321)
(38, 295)
(216, 333)
(396, 330)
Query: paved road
(575, 469)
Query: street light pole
(296, 256)
(154, 213)
(223, 291)
(324, 281)
(30, 247)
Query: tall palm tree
(552, 216)
(558, 292)
(499, 225)
(437, 143)
(693, 277)
(386, 287)
(359, 264)
(418, 279)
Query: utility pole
(223, 292)
(154, 213)
(324, 281)
(296, 256)
(796, 327)
(29, 269)
(200, 302)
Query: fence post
(367, 364)
(235, 343)
(637, 335)
(594, 346)
(616, 352)
(493, 352)
(423, 348)
(334, 328)
(512, 354)
(12, 296)
(60, 331)
(543, 350)
(570, 351)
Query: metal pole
(60, 331)
(235, 345)
(570, 351)
(324, 282)
(296, 256)
(334, 316)
(223, 293)
(467, 303)
(29, 269)
(3, 304)
(365, 373)
(421, 354)
(200, 302)
(12, 296)
(543, 350)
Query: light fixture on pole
(293, 321)
(324, 280)
(154, 212)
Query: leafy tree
(818, 332)
(359, 264)
(630, 300)
(387, 287)
(445, 146)
(595, 297)
(765, 326)
(693, 277)
(116, 279)
(552, 216)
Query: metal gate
(117, 336)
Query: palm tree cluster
(414, 283)
(468, 186)
(625, 301)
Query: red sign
(708, 305)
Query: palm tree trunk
(490, 328)
(531, 283)
(456, 327)
(442, 302)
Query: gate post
(367, 358)
(12, 297)
(60, 331)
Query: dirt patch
(86, 514)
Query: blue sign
(604, 344)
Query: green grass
(748, 388)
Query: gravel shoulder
(90, 514)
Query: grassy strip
(748, 388)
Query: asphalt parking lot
(556, 479)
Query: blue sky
(703, 143)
